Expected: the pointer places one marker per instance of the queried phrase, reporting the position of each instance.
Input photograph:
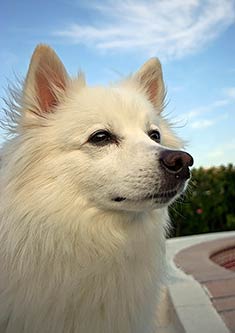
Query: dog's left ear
(150, 79)
(46, 81)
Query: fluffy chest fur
(59, 280)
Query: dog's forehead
(115, 105)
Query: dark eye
(155, 135)
(101, 137)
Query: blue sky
(194, 39)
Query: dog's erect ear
(150, 80)
(45, 82)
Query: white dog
(85, 183)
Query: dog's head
(109, 147)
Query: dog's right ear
(45, 83)
(150, 79)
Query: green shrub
(208, 205)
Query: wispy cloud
(228, 96)
(205, 123)
(201, 110)
(230, 92)
(167, 28)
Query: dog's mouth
(165, 196)
(160, 197)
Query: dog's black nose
(176, 162)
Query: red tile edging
(218, 281)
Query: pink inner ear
(152, 91)
(44, 87)
(151, 85)
(45, 96)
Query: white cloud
(230, 92)
(198, 111)
(201, 124)
(229, 96)
(177, 88)
(205, 123)
(167, 28)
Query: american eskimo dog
(86, 179)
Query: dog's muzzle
(175, 170)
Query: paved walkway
(212, 264)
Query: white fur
(72, 260)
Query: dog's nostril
(175, 160)
(118, 199)
(176, 165)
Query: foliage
(209, 204)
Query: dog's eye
(155, 135)
(101, 137)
